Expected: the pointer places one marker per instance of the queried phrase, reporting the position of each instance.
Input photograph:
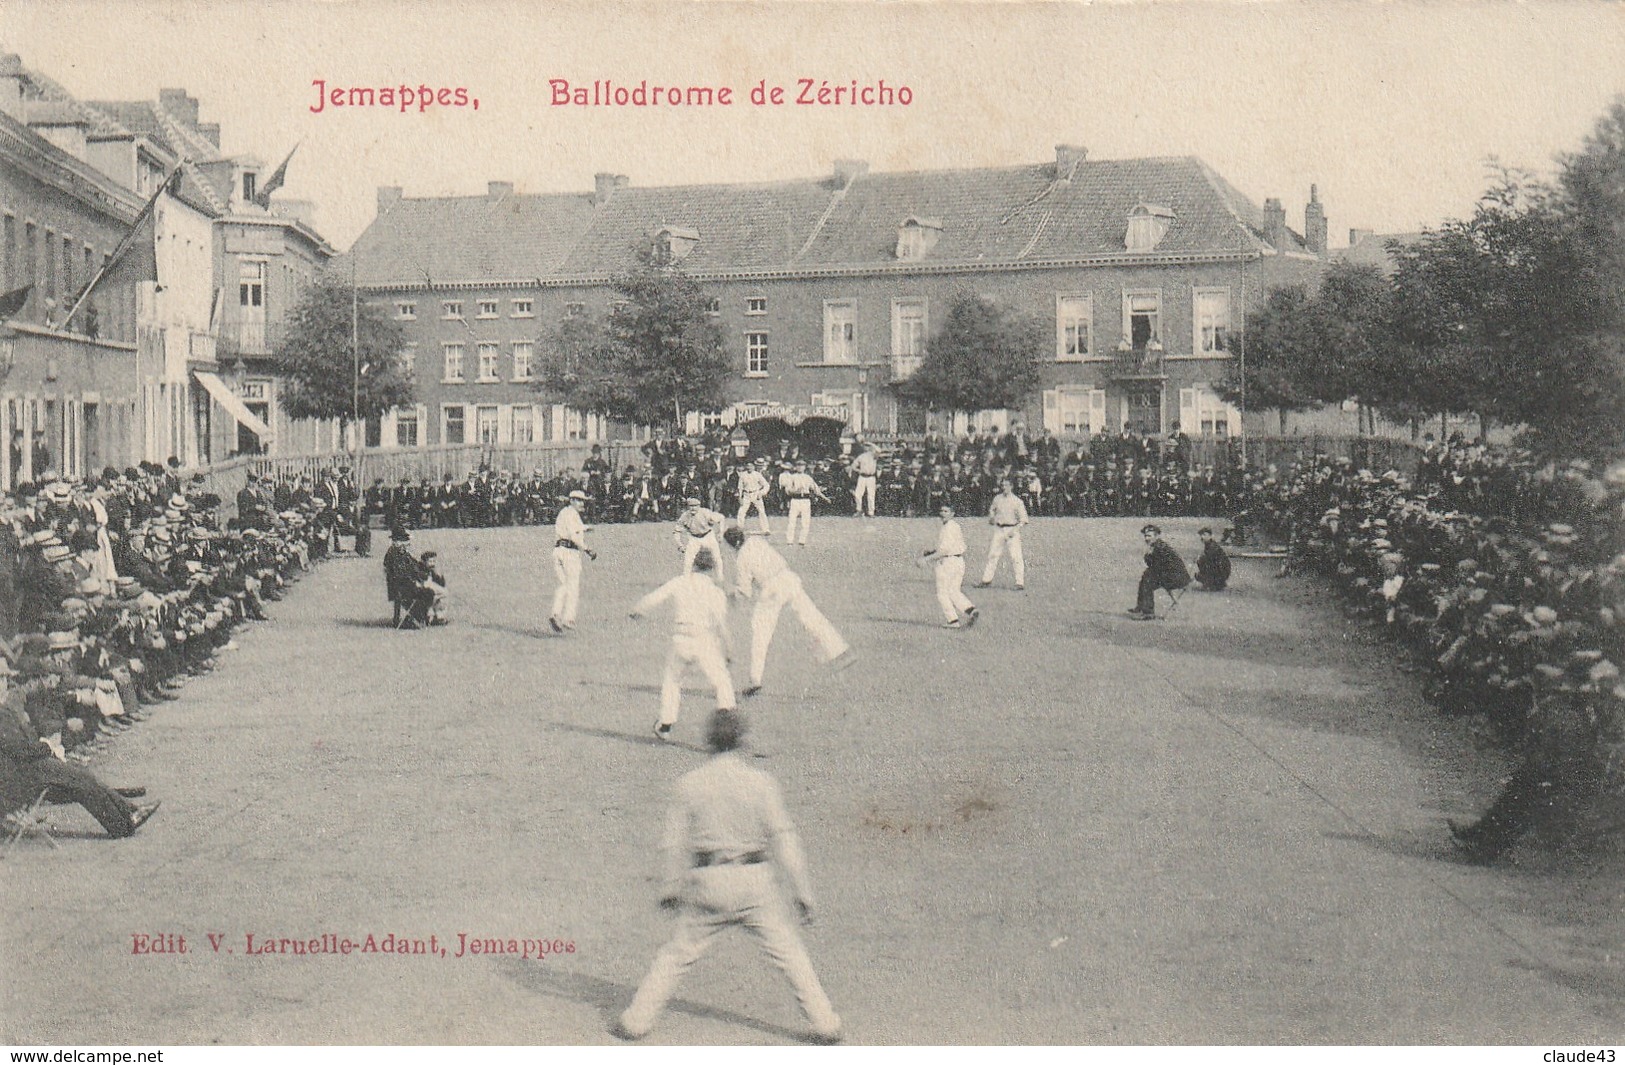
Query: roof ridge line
(1213, 180)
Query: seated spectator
(432, 581)
(403, 583)
(1163, 569)
(1213, 567)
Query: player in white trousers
(569, 544)
(699, 637)
(753, 488)
(864, 469)
(800, 487)
(949, 559)
(1007, 515)
(697, 530)
(761, 566)
(726, 832)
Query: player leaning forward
(760, 565)
(699, 637)
(569, 544)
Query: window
(755, 354)
(1203, 413)
(451, 426)
(488, 308)
(617, 306)
(524, 430)
(451, 308)
(1147, 224)
(911, 242)
(756, 305)
(406, 427)
(1075, 412)
(485, 420)
(251, 290)
(406, 311)
(908, 331)
(575, 310)
(714, 308)
(524, 309)
(523, 352)
(1212, 322)
(1142, 317)
(1074, 327)
(840, 325)
(488, 362)
(250, 184)
(453, 354)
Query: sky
(1391, 109)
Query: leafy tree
(319, 362)
(985, 358)
(659, 352)
(1285, 341)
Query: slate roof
(992, 217)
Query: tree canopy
(658, 354)
(984, 358)
(319, 361)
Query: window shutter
(1189, 422)
(1097, 410)
(1233, 416)
(1052, 410)
(423, 425)
(505, 423)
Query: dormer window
(1147, 224)
(250, 185)
(673, 243)
(916, 237)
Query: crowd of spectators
(117, 588)
(1504, 580)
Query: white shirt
(758, 563)
(798, 485)
(700, 605)
(752, 483)
(865, 465)
(1007, 510)
(569, 526)
(729, 808)
(698, 521)
(950, 540)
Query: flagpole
(123, 247)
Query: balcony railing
(238, 339)
(1130, 364)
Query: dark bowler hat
(399, 535)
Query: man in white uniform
(949, 559)
(864, 468)
(1007, 515)
(699, 637)
(761, 566)
(697, 528)
(800, 487)
(569, 544)
(753, 488)
(726, 830)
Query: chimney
(1314, 223)
(1067, 158)
(1356, 236)
(179, 104)
(388, 196)
(11, 85)
(496, 190)
(1275, 223)
(622, 181)
(848, 171)
(604, 185)
(210, 131)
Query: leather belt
(1016, 525)
(571, 544)
(705, 859)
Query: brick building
(828, 290)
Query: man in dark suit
(1213, 568)
(1163, 569)
(403, 582)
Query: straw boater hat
(578, 494)
(56, 553)
(64, 641)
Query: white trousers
(702, 652)
(786, 589)
(694, 544)
(864, 490)
(760, 503)
(567, 568)
(800, 510)
(721, 896)
(1005, 535)
(950, 596)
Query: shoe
(663, 732)
(1138, 616)
(754, 689)
(554, 624)
(625, 1034)
(843, 661)
(1021, 587)
(826, 1039)
(131, 793)
(954, 624)
(983, 584)
(971, 615)
(143, 814)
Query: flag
(14, 301)
(274, 182)
(136, 257)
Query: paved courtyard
(1059, 826)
